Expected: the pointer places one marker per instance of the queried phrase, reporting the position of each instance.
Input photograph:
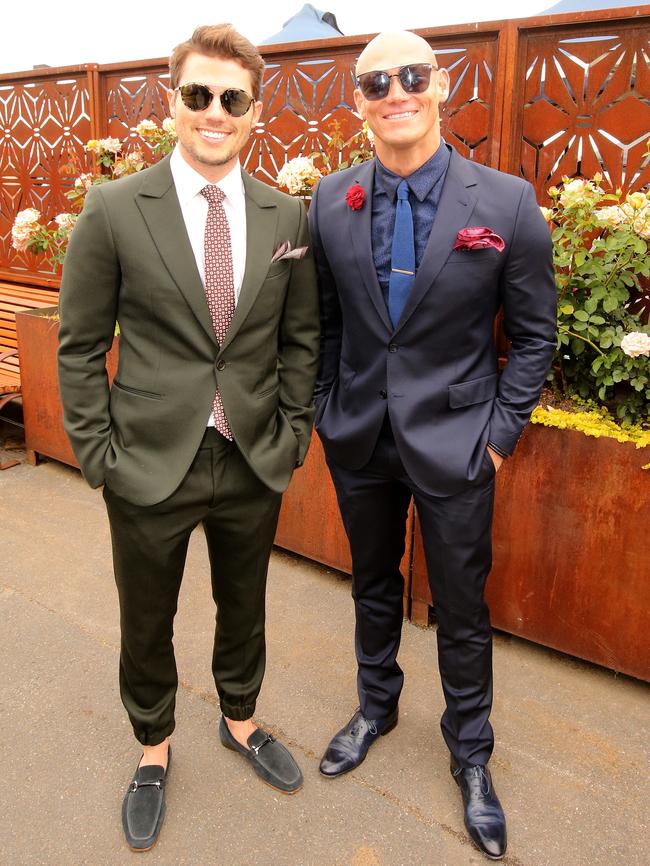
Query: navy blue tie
(402, 271)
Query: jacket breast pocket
(473, 391)
(487, 255)
(277, 269)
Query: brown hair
(219, 40)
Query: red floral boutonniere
(478, 238)
(355, 197)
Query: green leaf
(597, 320)
(610, 304)
(590, 305)
(580, 326)
(581, 316)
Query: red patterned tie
(219, 284)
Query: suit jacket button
(383, 394)
(392, 347)
(221, 365)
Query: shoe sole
(391, 727)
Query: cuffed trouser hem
(154, 738)
(237, 713)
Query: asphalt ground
(570, 764)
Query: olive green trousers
(239, 515)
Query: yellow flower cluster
(591, 424)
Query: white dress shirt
(194, 208)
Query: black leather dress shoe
(484, 818)
(350, 746)
(143, 807)
(272, 762)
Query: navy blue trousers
(456, 532)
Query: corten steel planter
(310, 523)
(571, 566)
(37, 344)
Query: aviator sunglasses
(197, 97)
(413, 78)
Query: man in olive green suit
(205, 270)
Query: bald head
(393, 49)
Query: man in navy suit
(416, 251)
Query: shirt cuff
(498, 450)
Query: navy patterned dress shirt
(425, 188)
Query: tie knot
(403, 191)
(213, 193)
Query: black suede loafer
(272, 762)
(484, 818)
(350, 746)
(143, 807)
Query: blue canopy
(309, 23)
(584, 6)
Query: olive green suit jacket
(130, 261)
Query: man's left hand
(497, 459)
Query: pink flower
(478, 238)
(355, 197)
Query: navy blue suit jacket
(437, 370)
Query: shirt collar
(423, 179)
(189, 182)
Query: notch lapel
(455, 209)
(360, 225)
(261, 226)
(161, 211)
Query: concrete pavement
(570, 765)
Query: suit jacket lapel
(261, 223)
(360, 223)
(161, 211)
(455, 209)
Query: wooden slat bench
(14, 297)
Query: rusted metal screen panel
(575, 95)
(583, 92)
(44, 122)
(131, 93)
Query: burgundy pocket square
(285, 251)
(478, 238)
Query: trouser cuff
(150, 737)
(237, 713)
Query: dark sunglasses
(413, 78)
(197, 97)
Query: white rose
(636, 343)
(24, 226)
(84, 181)
(614, 215)
(65, 221)
(110, 145)
(169, 125)
(144, 127)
